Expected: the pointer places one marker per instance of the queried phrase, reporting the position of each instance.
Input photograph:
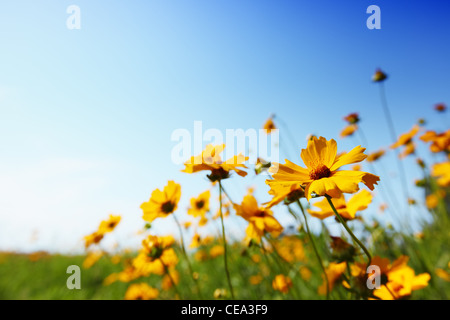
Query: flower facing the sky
(321, 175)
(210, 160)
(347, 209)
(162, 203)
(260, 219)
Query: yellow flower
(441, 171)
(282, 283)
(406, 141)
(92, 238)
(322, 176)
(109, 225)
(256, 279)
(374, 156)
(348, 130)
(195, 241)
(379, 76)
(216, 251)
(356, 167)
(141, 291)
(401, 280)
(210, 160)
(260, 219)
(290, 248)
(444, 275)
(162, 203)
(333, 272)
(439, 141)
(432, 201)
(305, 273)
(269, 126)
(347, 209)
(220, 293)
(201, 255)
(92, 258)
(156, 255)
(200, 205)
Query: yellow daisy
(162, 203)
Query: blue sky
(87, 115)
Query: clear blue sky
(86, 115)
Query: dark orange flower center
(167, 207)
(111, 225)
(319, 172)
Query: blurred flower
(92, 258)
(379, 76)
(141, 291)
(352, 118)
(261, 165)
(282, 283)
(342, 251)
(432, 201)
(260, 219)
(216, 251)
(441, 273)
(322, 176)
(406, 141)
(334, 271)
(200, 205)
(375, 155)
(290, 249)
(109, 225)
(92, 238)
(256, 279)
(356, 167)
(305, 273)
(441, 171)
(162, 203)
(156, 255)
(439, 142)
(220, 293)
(210, 160)
(195, 241)
(440, 107)
(348, 130)
(347, 209)
(269, 125)
(201, 255)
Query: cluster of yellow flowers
(322, 176)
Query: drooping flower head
(321, 175)
(260, 219)
(347, 209)
(162, 203)
(439, 141)
(210, 160)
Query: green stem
(315, 249)
(186, 257)
(174, 285)
(225, 243)
(342, 221)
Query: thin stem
(315, 249)
(186, 257)
(342, 221)
(225, 242)
(174, 285)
